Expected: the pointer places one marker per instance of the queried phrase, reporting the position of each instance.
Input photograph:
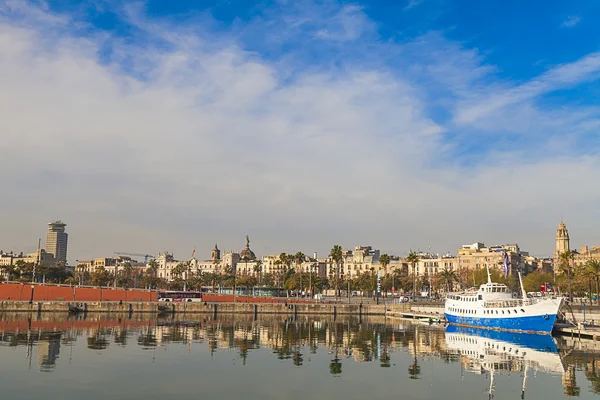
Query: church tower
(562, 239)
(215, 254)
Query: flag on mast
(193, 252)
(506, 263)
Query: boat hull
(534, 323)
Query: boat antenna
(522, 288)
(487, 267)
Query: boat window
(522, 310)
(508, 311)
(515, 311)
(502, 311)
(480, 297)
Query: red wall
(16, 291)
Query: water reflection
(494, 352)
(50, 339)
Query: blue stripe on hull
(538, 341)
(537, 323)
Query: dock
(581, 331)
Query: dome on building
(247, 254)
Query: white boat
(492, 306)
(484, 351)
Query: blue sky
(405, 124)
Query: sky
(407, 124)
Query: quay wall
(202, 308)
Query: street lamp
(348, 284)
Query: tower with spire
(215, 254)
(562, 239)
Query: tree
(593, 268)
(299, 258)
(81, 270)
(8, 271)
(101, 277)
(126, 276)
(335, 366)
(337, 257)
(384, 260)
(447, 278)
(179, 271)
(566, 266)
(258, 271)
(150, 276)
(413, 259)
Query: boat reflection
(494, 352)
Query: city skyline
(201, 253)
(409, 125)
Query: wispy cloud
(571, 21)
(183, 134)
(413, 3)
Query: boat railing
(509, 303)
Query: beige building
(563, 243)
(431, 264)
(38, 257)
(477, 256)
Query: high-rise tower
(56, 240)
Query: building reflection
(370, 340)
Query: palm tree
(153, 272)
(565, 265)
(337, 257)
(179, 270)
(414, 370)
(413, 259)
(299, 258)
(448, 276)
(593, 268)
(258, 271)
(278, 263)
(384, 260)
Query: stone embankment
(202, 308)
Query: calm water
(103, 357)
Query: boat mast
(491, 391)
(524, 381)
(487, 267)
(522, 288)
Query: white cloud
(571, 21)
(200, 140)
(413, 3)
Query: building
(432, 264)
(563, 244)
(56, 241)
(39, 257)
(477, 255)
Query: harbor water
(277, 357)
